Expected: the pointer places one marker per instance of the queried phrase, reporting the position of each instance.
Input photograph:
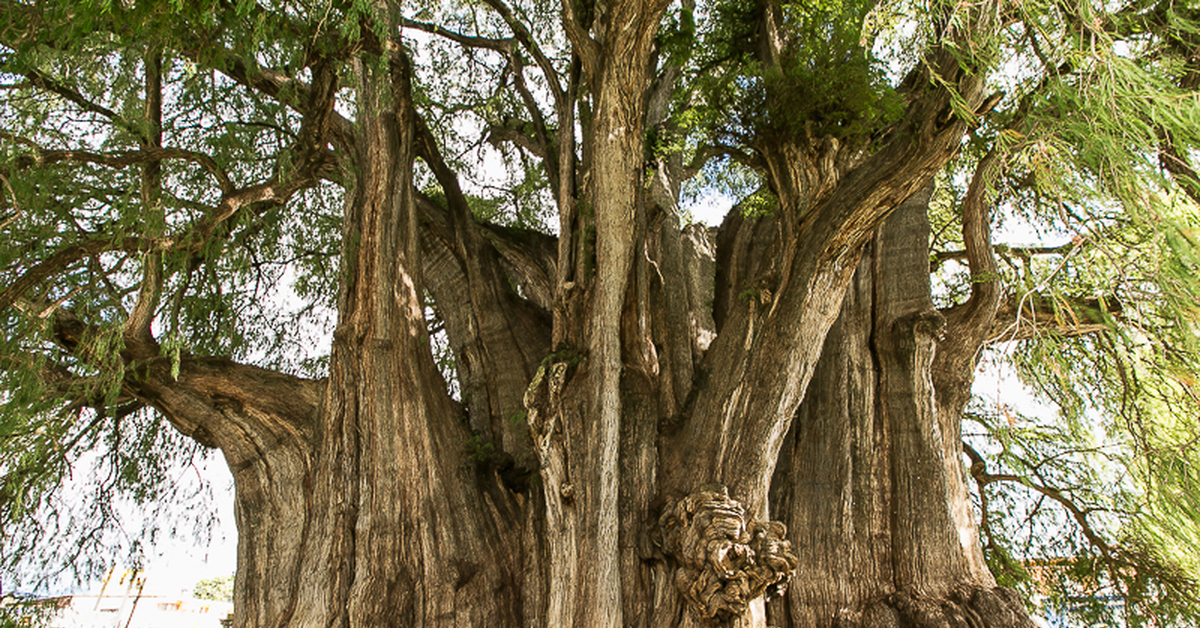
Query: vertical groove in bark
(832, 484)
(926, 558)
(392, 472)
(592, 414)
(866, 484)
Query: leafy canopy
(1089, 497)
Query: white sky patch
(177, 563)
(709, 207)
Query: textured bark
(266, 426)
(659, 426)
(870, 479)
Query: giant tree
(616, 419)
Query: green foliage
(563, 353)
(22, 612)
(826, 83)
(219, 589)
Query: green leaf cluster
(826, 82)
(219, 589)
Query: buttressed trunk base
(869, 479)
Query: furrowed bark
(833, 480)
(789, 303)
(265, 424)
(391, 462)
(580, 469)
(499, 338)
(866, 479)
(921, 481)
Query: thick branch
(499, 337)
(287, 90)
(506, 133)
(967, 325)
(793, 310)
(709, 152)
(271, 193)
(119, 160)
(137, 326)
(522, 34)
(503, 46)
(586, 48)
(535, 113)
(246, 411)
(1022, 318)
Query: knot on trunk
(723, 561)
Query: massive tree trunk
(871, 478)
(658, 426)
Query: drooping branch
(68, 256)
(26, 25)
(262, 195)
(503, 46)
(70, 94)
(117, 160)
(1115, 555)
(312, 158)
(1022, 318)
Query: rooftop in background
(125, 600)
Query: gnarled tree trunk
(871, 478)
(657, 427)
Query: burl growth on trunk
(723, 562)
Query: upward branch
(137, 326)
(967, 325)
